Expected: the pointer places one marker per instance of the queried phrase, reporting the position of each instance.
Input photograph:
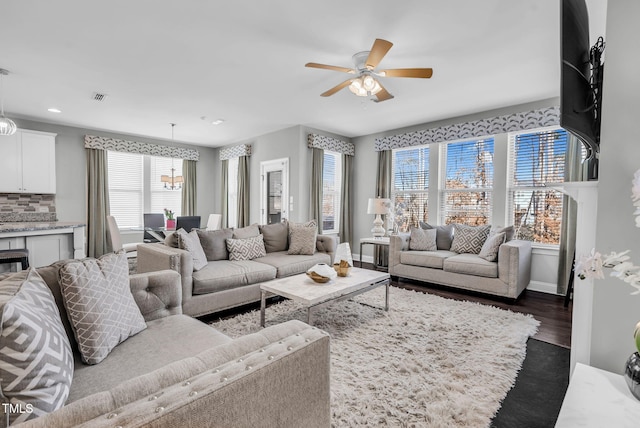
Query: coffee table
(302, 289)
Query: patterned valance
(549, 116)
(104, 143)
(332, 144)
(235, 151)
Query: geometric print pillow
(469, 239)
(302, 238)
(423, 240)
(36, 362)
(491, 247)
(99, 304)
(246, 249)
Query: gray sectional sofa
(223, 283)
(507, 276)
(179, 371)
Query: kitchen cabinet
(28, 162)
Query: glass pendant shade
(7, 126)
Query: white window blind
(536, 159)
(232, 195)
(126, 188)
(410, 186)
(331, 188)
(467, 182)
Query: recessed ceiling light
(54, 110)
(217, 122)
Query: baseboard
(543, 287)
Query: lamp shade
(379, 206)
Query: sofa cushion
(469, 239)
(509, 232)
(246, 232)
(471, 264)
(276, 236)
(214, 243)
(171, 239)
(423, 240)
(302, 237)
(99, 304)
(226, 274)
(191, 243)
(444, 235)
(246, 249)
(430, 259)
(491, 246)
(291, 264)
(36, 362)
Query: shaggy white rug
(429, 361)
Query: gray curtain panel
(315, 199)
(189, 187)
(346, 217)
(243, 191)
(224, 177)
(574, 170)
(383, 190)
(97, 202)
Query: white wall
(615, 312)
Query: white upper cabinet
(28, 162)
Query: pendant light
(7, 126)
(172, 182)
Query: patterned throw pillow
(191, 243)
(302, 238)
(36, 362)
(490, 249)
(99, 304)
(444, 235)
(469, 239)
(246, 249)
(423, 240)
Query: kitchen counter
(29, 226)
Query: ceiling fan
(365, 83)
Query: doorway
(274, 193)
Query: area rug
(429, 361)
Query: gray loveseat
(507, 277)
(182, 372)
(223, 283)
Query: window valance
(331, 144)
(549, 116)
(235, 151)
(105, 143)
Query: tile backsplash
(20, 207)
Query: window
(536, 159)
(331, 187)
(467, 182)
(232, 195)
(410, 186)
(135, 187)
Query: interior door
(274, 193)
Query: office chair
(154, 222)
(188, 222)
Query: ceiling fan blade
(424, 73)
(383, 95)
(330, 67)
(378, 51)
(336, 88)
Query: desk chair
(155, 222)
(188, 222)
(215, 222)
(114, 241)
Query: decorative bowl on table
(343, 268)
(321, 273)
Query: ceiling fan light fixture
(7, 126)
(365, 86)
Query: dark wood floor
(555, 319)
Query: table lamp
(378, 206)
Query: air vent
(99, 97)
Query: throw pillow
(214, 243)
(423, 240)
(99, 304)
(276, 236)
(491, 247)
(246, 232)
(246, 249)
(444, 235)
(171, 239)
(302, 238)
(469, 239)
(509, 232)
(191, 243)
(36, 362)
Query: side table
(382, 241)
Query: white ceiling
(164, 61)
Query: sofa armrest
(397, 243)
(514, 265)
(279, 376)
(327, 244)
(157, 294)
(156, 257)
